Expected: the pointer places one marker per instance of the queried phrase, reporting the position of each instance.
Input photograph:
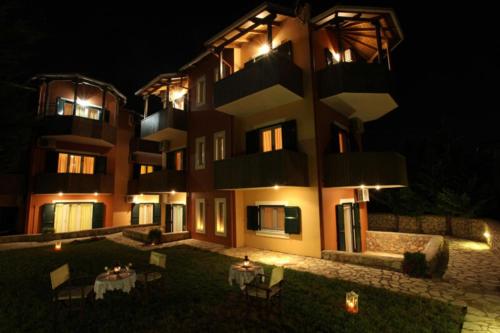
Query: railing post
(75, 97)
(379, 41)
(103, 107)
(146, 105)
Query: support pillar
(146, 105)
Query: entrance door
(175, 218)
(348, 227)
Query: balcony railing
(281, 167)
(73, 183)
(164, 125)
(159, 182)
(144, 146)
(357, 89)
(370, 169)
(78, 129)
(268, 83)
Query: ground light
(58, 246)
(351, 302)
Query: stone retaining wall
(141, 235)
(466, 228)
(395, 242)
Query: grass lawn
(195, 296)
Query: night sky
(446, 68)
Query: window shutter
(340, 228)
(48, 211)
(252, 142)
(184, 218)
(335, 143)
(100, 165)
(51, 159)
(168, 219)
(253, 218)
(135, 214)
(171, 161)
(156, 167)
(289, 129)
(98, 215)
(356, 228)
(156, 213)
(136, 171)
(106, 116)
(292, 220)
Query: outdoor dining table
(124, 281)
(242, 274)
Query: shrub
(442, 259)
(154, 236)
(414, 264)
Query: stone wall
(473, 229)
(395, 242)
(141, 235)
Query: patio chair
(66, 290)
(266, 290)
(149, 273)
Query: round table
(244, 274)
(123, 281)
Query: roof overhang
(160, 81)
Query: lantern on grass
(351, 302)
(58, 246)
(246, 262)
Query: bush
(442, 259)
(154, 236)
(414, 264)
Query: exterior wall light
(351, 302)
(60, 194)
(172, 192)
(276, 187)
(264, 49)
(377, 187)
(96, 194)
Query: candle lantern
(117, 269)
(246, 262)
(351, 302)
(58, 246)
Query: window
(200, 153)
(219, 145)
(179, 161)
(220, 216)
(271, 139)
(201, 88)
(145, 169)
(200, 215)
(272, 218)
(342, 142)
(73, 217)
(83, 109)
(146, 213)
(69, 163)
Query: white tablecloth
(242, 275)
(124, 281)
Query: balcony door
(175, 218)
(348, 227)
(73, 217)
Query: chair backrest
(158, 259)
(276, 276)
(59, 276)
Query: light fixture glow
(264, 49)
(176, 94)
(172, 192)
(362, 186)
(58, 246)
(276, 187)
(60, 194)
(377, 187)
(142, 194)
(96, 194)
(487, 235)
(335, 55)
(82, 102)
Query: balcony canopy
(357, 28)
(159, 84)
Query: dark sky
(446, 68)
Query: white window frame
(218, 135)
(199, 217)
(199, 156)
(201, 94)
(218, 201)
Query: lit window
(73, 217)
(272, 218)
(178, 161)
(145, 169)
(73, 164)
(200, 215)
(83, 109)
(146, 213)
(200, 153)
(219, 145)
(201, 91)
(272, 139)
(220, 216)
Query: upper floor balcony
(163, 125)
(73, 183)
(161, 181)
(78, 109)
(352, 51)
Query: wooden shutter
(51, 160)
(98, 215)
(252, 142)
(135, 214)
(100, 165)
(156, 168)
(168, 219)
(334, 140)
(106, 116)
(253, 218)
(289, 129)
(340, 228)
(156, 213)
(356, 228)
(136, 171)
(48, 213)
(171, 160)
(292, 220)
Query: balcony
(165, 125)
(370, 170)
(159, 182)
(73, 183)
(356, 89)
(281, 167)
(78, 130)
(144, 146)
(268, 83)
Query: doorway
(348, 227)
(175, 218)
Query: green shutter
(292, 220)
(135, 214)
(340, 228)
(100, 165)
(184, 218)
(168, 219)
(98, 215)
(171, 160)
(252, 142)
(253, 218)
(356, 228)
(289, 138)
(48, 211)
(156, 213)
(51, 161)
